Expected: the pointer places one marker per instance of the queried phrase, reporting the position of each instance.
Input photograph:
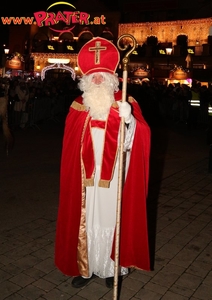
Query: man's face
(98, 96)
(97, 79)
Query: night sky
(17, 8)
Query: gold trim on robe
(78, 106)
(82, 254)
(104, 183)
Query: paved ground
(180, 220)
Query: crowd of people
(174, 102)
(33, 101)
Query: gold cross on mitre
(97, 50)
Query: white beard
(98, 100)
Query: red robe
(134, 246)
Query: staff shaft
(121, 164)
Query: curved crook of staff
(125, 62)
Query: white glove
(125, 111)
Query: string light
(57, 66)
(43, 57)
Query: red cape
(134, 246)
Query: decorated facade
(196, 31)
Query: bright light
(6, 51)
(168, 51)
(58, 60)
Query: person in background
(194, 106)
(86, 222)
(20, 106)
(9, 140)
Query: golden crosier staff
(125, 62)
